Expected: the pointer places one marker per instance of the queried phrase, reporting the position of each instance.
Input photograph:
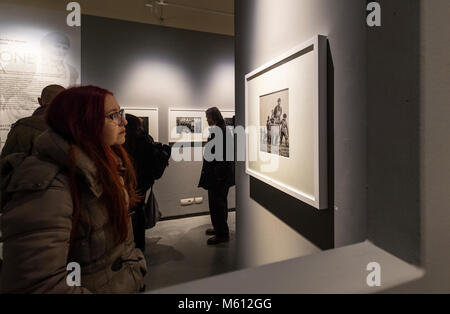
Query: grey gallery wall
(263, 32)
(393, 124)
(373, 129)
(159, 67)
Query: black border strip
(191, 215)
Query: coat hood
(50, 155)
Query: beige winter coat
(37, 222)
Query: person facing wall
(69, 202)
(23, 133)
(150, 159)
(217, 177)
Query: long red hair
(78, 115)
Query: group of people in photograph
(278, 119)
(77, 186)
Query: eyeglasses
(117, 117)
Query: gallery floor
(177, 252)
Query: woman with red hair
(68, 203)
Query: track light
(159, 4)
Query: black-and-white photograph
(274, 123)
(229, 121)
(189, 125)
(145, 124)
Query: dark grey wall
(159, 67)
(434, 149)
(393, 123)
(264, 31)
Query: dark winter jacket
(36, 224)
(24, 132)
(150, 159)
(218, 173)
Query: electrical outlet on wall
(198, 200)
(187, 201)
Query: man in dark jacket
(217, 177)
(23, 133)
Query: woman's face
(114, 129)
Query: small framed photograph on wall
(187, 125)
(149, 119)
(228, 116)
